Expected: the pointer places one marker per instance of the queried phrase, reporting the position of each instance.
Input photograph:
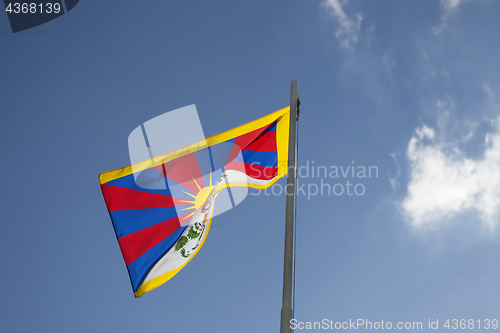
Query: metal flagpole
(286, 310)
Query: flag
(162, 208)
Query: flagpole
(286, 310)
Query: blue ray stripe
(177, 190)
(204, 163)
(130, 221)
(262, 158)
(155, 182)
(139, 268)
(272, 127)
(220, 153)
(211, 159)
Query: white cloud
(349, 27)
(445, 184)
(487, 89)
(449, 8)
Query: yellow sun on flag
(199, 198)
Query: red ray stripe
(121, 198)
(136, 244)
(182, 170)
(242, 142)
(265, 142)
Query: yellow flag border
(282, 136)
(282, 130)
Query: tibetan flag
(162, 208)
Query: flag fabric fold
(161, 209)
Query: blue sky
(409, 87)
